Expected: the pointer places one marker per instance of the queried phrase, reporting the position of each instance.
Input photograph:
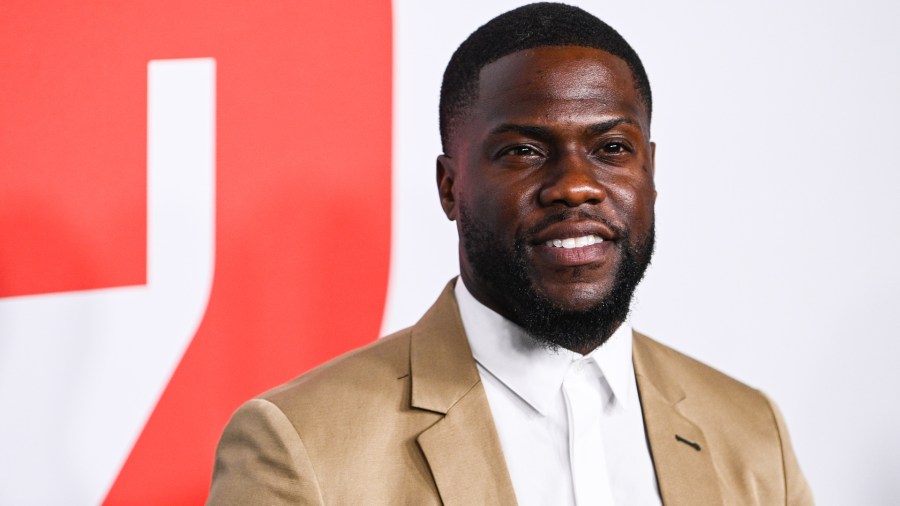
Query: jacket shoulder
(313, 440)
(724, 406)
(359, 373)
(692, 375)
(748, 440)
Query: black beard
(505, 273)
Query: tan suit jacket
(405, 420)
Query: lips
(574, 242)
(569, 244)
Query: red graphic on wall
(302, 200)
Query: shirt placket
(587, 457)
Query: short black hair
(534, 25)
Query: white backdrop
(778, 237)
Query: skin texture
(556, 146)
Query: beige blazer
(405, 420)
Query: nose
(572, 181)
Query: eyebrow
(527, 130)
(599, 128)
(544, 132)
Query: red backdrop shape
(72, 151)
(302, 199)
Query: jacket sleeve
(797, 491)
(261, 459)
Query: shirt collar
(532, 371)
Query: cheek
(634, 199)
(504, 202)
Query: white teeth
(575, 242)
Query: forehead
(558, 80)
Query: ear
(446, 177)
(653, 167)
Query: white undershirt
(570, 425)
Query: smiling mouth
(574, 242)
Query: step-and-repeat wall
(200, 200)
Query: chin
(575, 296)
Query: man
(523, 383)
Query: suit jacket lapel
(464, 451)
(681, 456)
(462, 448)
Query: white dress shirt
(570, 425)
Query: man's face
(550, 178)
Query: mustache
(580, 214)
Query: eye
(614, 148)
(520, 155)
(521, 151)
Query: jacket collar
(681, 454)
(462, 449)
(441, 363)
